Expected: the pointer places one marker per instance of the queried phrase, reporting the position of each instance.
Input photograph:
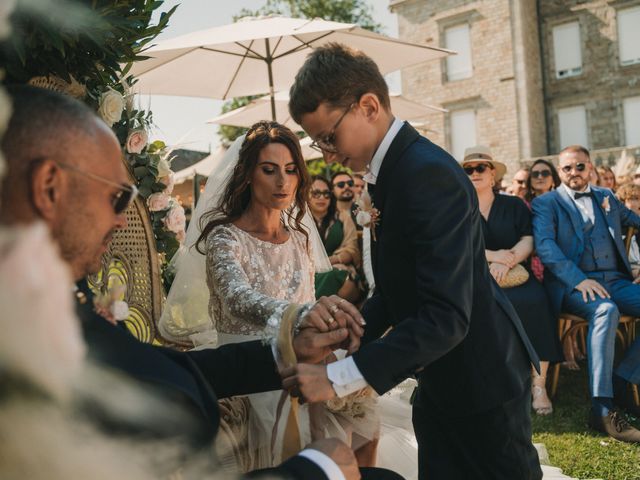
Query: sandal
(541, 403)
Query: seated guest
(542, 179)
(338, 233)
(358, 185)
(508, 241)
(578, 235)
(518, 187)
(66, 169)
(629, 194)
(342, 188)
(606, 178)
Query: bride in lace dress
(259, 260)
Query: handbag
(515, 277)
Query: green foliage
(95, 41)
(346, 11)
(327, 170)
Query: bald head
(56, 148)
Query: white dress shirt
(345, 374)
(584, 204)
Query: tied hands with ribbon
(330, 324)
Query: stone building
(530, 77)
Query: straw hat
(480, 153)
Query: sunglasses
(321, 193)
(343, 183)
(125, 196)
(541, 173)
(328, 143)
(580, 167)
(478, 168)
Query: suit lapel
(574, 214)
(598, 200)
(405, 137)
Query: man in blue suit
(578, 236)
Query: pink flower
(158, 202)
(181, 235)
(169, 181)
(175, 221)
(136, 141)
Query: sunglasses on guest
(321, 193)
(580, 167)
(342, 184)
(481, 168)
(122, 199)
(541, 173)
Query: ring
(329, 320)
(342, 300)
(333, 308)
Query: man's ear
(46, 189)
(371, 106)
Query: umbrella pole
(269, 60)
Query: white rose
(164, 169)
(169, 181)
(111, 107)
(363, 218)
(136, 141)
(175, 221)
(119, 309)
(158, 202)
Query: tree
(346, 11)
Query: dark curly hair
(237, 193)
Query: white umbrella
(260, 55)
(260, 109)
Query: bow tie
(578, 195)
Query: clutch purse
(515, 277)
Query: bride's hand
(330, 313)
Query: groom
(451, 326)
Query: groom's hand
(310, 383)
(333, 312)
(313, 346)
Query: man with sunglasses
(342, 184)
(66, 169)
(578, 236)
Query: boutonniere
(367, 215)
(605, 204)
(109, 305)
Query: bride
(258, 255)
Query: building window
(567, 50)
(631, 108)
(463, 132)
(629, 35)
(572, 123)
(457, 38)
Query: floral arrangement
(367, 215)
(356, 405)
(606, 206)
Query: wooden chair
(569, 324)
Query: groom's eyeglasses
(321, 193)
(478, 168)
(328, 143)
(125, 196)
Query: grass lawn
(572, 446)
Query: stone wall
(603, 84)
(504, 89)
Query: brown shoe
(615, 425)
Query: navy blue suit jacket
(452, 324)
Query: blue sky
(181, 120)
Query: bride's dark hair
(237, 193)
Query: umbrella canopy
(260, 109)
(259, 55)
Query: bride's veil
(186, 310)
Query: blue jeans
(603, 316)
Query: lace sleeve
(230, 284)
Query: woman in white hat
(508, 237)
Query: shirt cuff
(326, 464)
(345, 377)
